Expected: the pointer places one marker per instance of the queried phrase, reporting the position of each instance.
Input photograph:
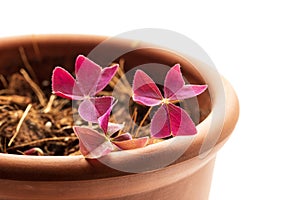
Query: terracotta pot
(188, 176)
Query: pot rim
(52, 164)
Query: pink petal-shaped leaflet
(91, 143)
(106, 75)
(88, 74)
(64, 85)
(160, 123)
(188, 91)
(145, 91)
(78, 63)
(181, 122)
(131, 144)
(103, 120)
(122, 137)
(171, 120)
(173, 81)
(93, 108)
(113, 128)
(175, 89)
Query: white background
(254, 44)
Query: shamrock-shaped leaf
(123, 141)
(169, 118)
(94, 108)
(91, 143)
(112, 128)
(90, 80)
(94, 145)
(122, 137)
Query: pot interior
(43, 53)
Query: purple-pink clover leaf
(103, 119)
(169, 119)
(175, 88)
(145, 91)
(106, 75)
(188, 91)
(92, 108)
(113, 128)
(91, 78)
(122, 137)
(64, 85)
(91, 143)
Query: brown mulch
(32, 122)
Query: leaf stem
(133, 121)
(142, 122)
(90, 124)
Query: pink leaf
(180, 121)
(64, 85)
(175, 89)
(113, 128)
(103, 120)
(92, 144)
(91, 77)
(160, 123)
(88, 74)
(171, 120)
(93, 108)
(173, 81)
(168, 119)
(79, 60)
(122, 137)
(106, 75)
(188, 91)
(145, 90)
(132, 144)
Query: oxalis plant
(169, 120)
